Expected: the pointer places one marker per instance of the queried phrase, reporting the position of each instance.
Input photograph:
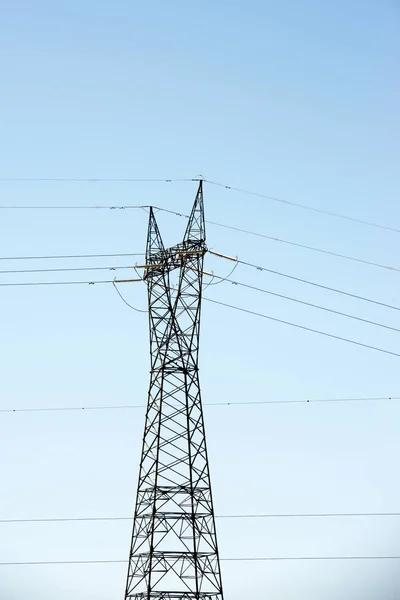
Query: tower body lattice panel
(174, 552)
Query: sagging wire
(115, 281)
(211, 282)
(222, 279)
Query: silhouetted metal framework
(174, 552)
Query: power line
(312, 558)
(49, 283)
(231, 227)
(256, 516)
(304, 328)
(306, 281)
(71, 207)
(303, 206)
(248, 232)
(221, 404)
(296, 325)
(304, 246)
(61, 270)
(257, 267)
(310, 304)
(290, 243)
(222, 279)
(98, 179)
(125, 301)
(61, 256)
(214, 183)
(232, 559)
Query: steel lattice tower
(174, 552)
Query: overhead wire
(101, 179)
(230, 559)
(236, 260)
(303, 302)
(125, 301)
(304, 328)
(306, 247)
(292, 299)
(73, 207)
(285, 202)
(290, 243)
(219, 404)
(306, 281)
(68, 269)
(254, 516)
(62, 256)
(221, 279)
(52, 283)
(302, 206)
(253, 233)
(262, 315)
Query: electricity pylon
(174, 551)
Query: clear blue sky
(294, 99)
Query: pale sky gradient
(298, 100)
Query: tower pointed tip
(154, 240)
(196, 231)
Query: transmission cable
(297, 326)
(69, 269)
(255, 516)
(125, 301)
(219, 404)
(61, 256)
(76, 207)
(253, 233)
(310, 304)
(303, 206)
(236, 260)
(303, 327)
(232, 559)
(213, 183)
(248, 232)
(51, 283)
(306, 281)
(98, 179)
(290, 243)
(312, 248)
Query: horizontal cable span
(304, 328)
(290, 243)
(238, 308)
(47, 283)
(222, 279)
(256, 403)
(238, 559)
(61, 256)
(272, 238)
(242, 262)
(310, 304)
(306, 281)
(214, 183)
(312, 248)
(71, 207)
(303, 206)
(256, 516)
(99, 179)
(68, 269)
